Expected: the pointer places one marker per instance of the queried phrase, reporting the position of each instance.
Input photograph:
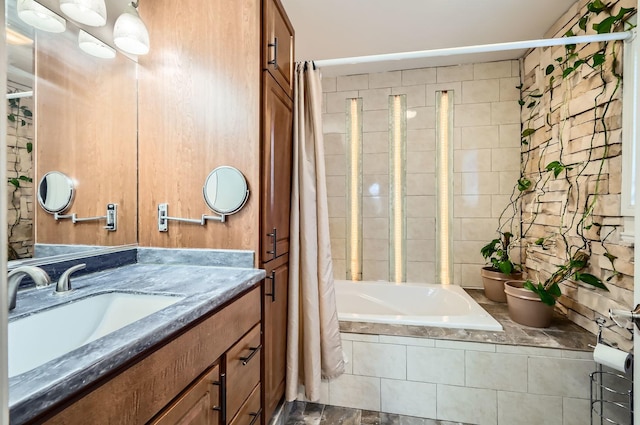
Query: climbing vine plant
(545, 156)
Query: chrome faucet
(64, 283)
(39, 276)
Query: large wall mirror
(72, 112)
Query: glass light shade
(38, 16)
(88, 12)
(93, 46)
(130, 34)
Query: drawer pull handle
(274, 243)
(247, 359)
(223, 397)
(256, 416)
(272, 278)
(274, 61)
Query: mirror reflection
(225, 190)
(55, 192)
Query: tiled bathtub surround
(486, 141)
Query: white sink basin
(46, 335)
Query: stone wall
(568, 129)
(20, 163)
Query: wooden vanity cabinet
(277, 44)
(207, 375)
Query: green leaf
(532, 104)
(490, 248)
(519, 86)
(539, 241)
(25, 178)
(521, 102)
(567, 71)
(549, 69)
(598, 59)
(605, 25)
(555, 290)
(505, 267)
(556, 166)
(528, 132)
(23, 122)
(524, 184)
(536, 95)
(524, 142)
(29, 147)
(14, 182)
(26, 112)
(551, 80)
(596, 6)
(577, 63)
(11, 117)
(582, 23)
(592, 280)
(559, 60)
(610, 257)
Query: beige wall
(575, 99)
(486, 163)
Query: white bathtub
(445, 306)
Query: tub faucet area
(39, 276)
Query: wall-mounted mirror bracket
(111, 217)
(163, 218)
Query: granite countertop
(204, 290)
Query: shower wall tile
(375, 206)
(477, 229)
(504, 113)
(333, 123)
(436, 365)
(380, 360)
(334, 144)
(336, 185)
(425, 118)
(498, 204)
(496, 371)
(575, 411)
(421, 271)
(510, 136)
(375, 99)
(508, 181)
(455, 86)
(416, 95)
(421, 228)
(337, 206)
(524, 409)
(375, 121)
(481, 91)
(561, 377)
(469, 206)
(461, 250)
(421, 250)
(506, 159)
(335, 165)
(509, 89)
(411, 77)
(336, 102)
(375, 270)
(375, 228)
(360, 392)
(385, 79)
(421, 140)
(421, 206)
(375, 142)
(337, 227)
(447, 74)
(470, 276)
(421, 184)
(480, 405)
(483, 71)
(329, 84)
(375, 249)
(339, 269)
(472, 160)
(375, 163)
(472, 115)
(484, 183)
(421, 162)
(408, 398)
(481, 137)
(375, 185)
(339, 248)
(353, 82)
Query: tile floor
(305, 413)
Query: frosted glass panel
(397, 188)
(354, 188)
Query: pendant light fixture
(87, 12)
(38, 16)
(93, 46)
(129, 32)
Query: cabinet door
(196, 405)
(276, 170)
(250, 412)
(278, 45)
(243, 370)
(275, 336)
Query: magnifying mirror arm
(110, 217)
(164, 218)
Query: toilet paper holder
(632, 316)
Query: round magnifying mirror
(225, 190)
(55, 192)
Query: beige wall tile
(496, 371)
(375, 142)
(463, 345)
(421, 250)
(375, 206)
(575, 411)
(375, 99)
(509, 89)
(375, 270)
(421, 184)
(375, 185)
(412, 77)
(510, 136)
(375, 249)
(470, 275)
(358, 392)
(385, 79)
(526, 409)
(375, 228)
(508, 181)
(480, 183)
(562, 377)
(421, 162)
(339, 269)
(421, 140)
(346, 336)
(498, 204)
(425, 118)
(329, 84)
(476, 160)
(375, 163)
(447, 74)
(453, 86)
(416, 95)
(334, 123)
(408, 398)
(435, 365)
(482, 137)
(335, 165)
(337, 101)
(381, 360)
(472, 115)
(334, 144)
(337, 206)
(421, 272)
(339, 248)
(479, 406)
(375, 121)
(353, 82)
(468, 252)
(347, 349)
(480, 91)
(482, 71)
(421, 206)
(404, 340)
(470, 206)
(478, 229)
(336, 185)
(505, 159)
(505, 112)
(532, 351)
(324, 393)
(515, 68)
(421, 228)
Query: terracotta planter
(493, 283)
(525, 306)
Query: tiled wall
(20, 162)
(486, 163)
(460, 381)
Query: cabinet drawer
(243, 370)
(250, 412)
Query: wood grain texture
(199, 100)
(249, 410)
(242, 378)
(136, 395)
(85, 124)
(278, 27)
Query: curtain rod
(19, 95)
(482, 48)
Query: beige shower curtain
(314, 350)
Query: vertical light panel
(444, 182)
(354, 189)
(397, 187)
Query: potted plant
(532, 304)
(500, 268)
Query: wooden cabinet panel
(278, 47)
(196, 405)
(250, 413)
(277, 154)
(243, 370)
(275, 338)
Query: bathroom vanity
(195, 361)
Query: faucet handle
(64, 282)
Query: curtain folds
(314, 349)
